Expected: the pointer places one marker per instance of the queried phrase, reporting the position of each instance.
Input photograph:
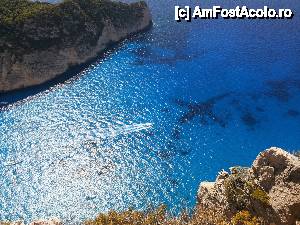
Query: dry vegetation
(241, 193)
(161, 217)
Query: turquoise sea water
(157, 115)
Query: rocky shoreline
(48, 50)
(266, 193)
(269, 190)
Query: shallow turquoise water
(160, 113)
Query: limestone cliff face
(52, 55)
(269, 190)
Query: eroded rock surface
(270, 189)
(38, 47)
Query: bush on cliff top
(131, 217)
(26, 25)
(14, 11)
(161, 217)
(241, 190)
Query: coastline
(163, 76)
(40, 65)
(73, 71)
(246, 196)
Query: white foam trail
(128, 129)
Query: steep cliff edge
(269, 190)
(39, 41)
(267, 193)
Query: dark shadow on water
(203, 110)
(166, 47)
(249, 119)
(146, 55)
(219, 109)
(18, 95)
(278, 90)
(282, 89)
(75, 72)
(176, 133)
(172, 149)
(236, 103)
(259, 109)
(293, 113)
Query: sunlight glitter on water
(154, 118)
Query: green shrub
(241, 191)
(27, 25)
(260, 195)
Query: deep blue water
(152, 119)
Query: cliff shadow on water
(74, 72)
(44, 44)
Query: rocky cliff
(39, 41)
(269, 190)
(267, 193)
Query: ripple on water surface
(146, 124)
(85, 147)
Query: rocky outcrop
(42, 49)
(269, 190)
(267, 193)
(278, 172)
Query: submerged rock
(39, 41)
(269, 190)
(53, 221)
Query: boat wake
(128, 129)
